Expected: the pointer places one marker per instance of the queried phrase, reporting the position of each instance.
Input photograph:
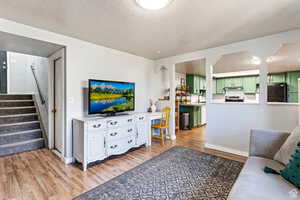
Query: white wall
(86, 60)
(21, 79)
(229, 124)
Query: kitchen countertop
(193, 104)
(247, 101)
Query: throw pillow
(289, 147)
(292, 170)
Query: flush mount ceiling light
(153, 4)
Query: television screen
(110, 96)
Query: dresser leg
(84, 167)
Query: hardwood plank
(41, 175)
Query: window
(236, 78)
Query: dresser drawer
(118, 133)
(121, 146)
(96, 125)
(141, 117)
(124, 121)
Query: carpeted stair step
(11, 119)
(16, 103)
(16, 127)
(21, 136)
(17, 110)
(15, 97)
(27, 145)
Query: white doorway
(57, 103)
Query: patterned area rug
(178, 173)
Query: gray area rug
(178, 173)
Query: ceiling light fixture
(153, 4)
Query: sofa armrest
(266, 143)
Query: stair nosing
(20, 143)
(20, 123)
(19, 115)
(18, 100)
(16, 107)
(19, 132)
(11, 94)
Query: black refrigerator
(277, 92)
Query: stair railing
(38, 86)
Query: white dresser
(98, 138)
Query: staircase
(20, 128)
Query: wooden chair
(164, 124)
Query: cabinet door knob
(114, 134)
(129, 130)
(113, 147)
(130, 141)
(97, 126)
(113, 123)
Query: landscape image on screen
(111, 96)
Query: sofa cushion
(254, 183)
(288, 148)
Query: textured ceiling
(236, 62)
(184, 26)
(286, 58)
(192, 67)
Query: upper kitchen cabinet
(195, 83)
(249, 84)
(220, 85)
(283, 74)
(276, 77)
(236, 78)
(214, 86)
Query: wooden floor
(41, 175)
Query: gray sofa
(253, 183)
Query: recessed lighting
(255, 60)
(153, 4)
(158, 52)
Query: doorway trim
(52, 59)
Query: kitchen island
(197, 113)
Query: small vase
(153, 108)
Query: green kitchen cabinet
(233, 82)
(292, 81)
(198, 116)
(193, 83)
(220, 84)
(214, 86)
(249, 84)
(277, 77)
(292, 84)
(202, 83)
(194, 115)
(293, 97)
(257, 80)
(237, 82)
(228, 82)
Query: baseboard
(226, 149)
(69, 160)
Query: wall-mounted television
(110, 96)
